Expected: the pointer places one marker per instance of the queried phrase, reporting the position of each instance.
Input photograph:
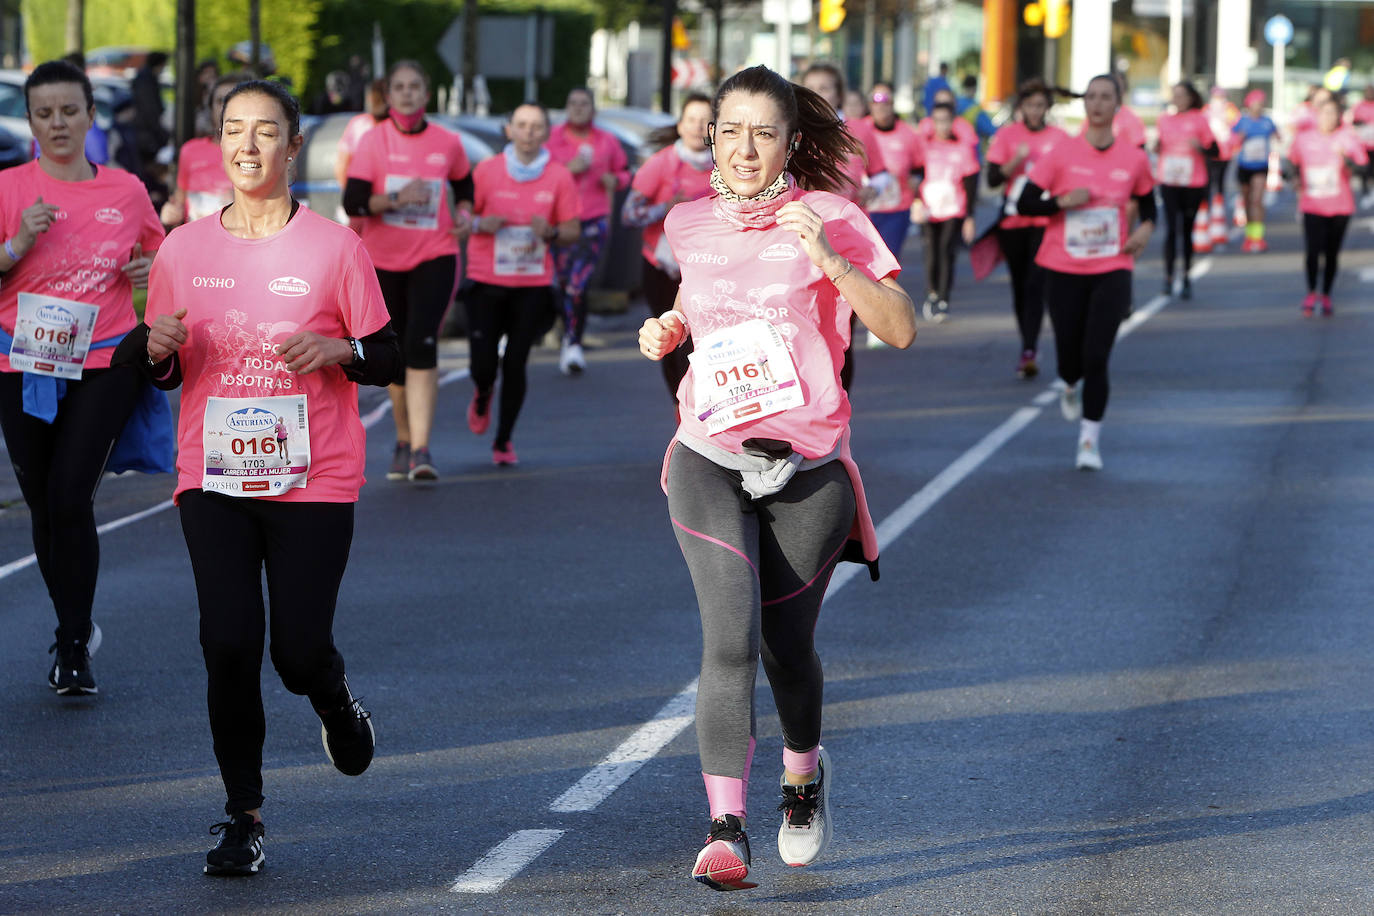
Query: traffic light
(831, 15)
(1056, 18)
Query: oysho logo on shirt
(289, 286)
(1119, 175)
(435, 159)
(779, 252)
(213, 282)
(109, 216)
(705, 257)
(543, 197)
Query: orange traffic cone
(1219, 231)
(1202, 231)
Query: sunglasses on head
(881, 97)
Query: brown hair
(819, 140)
(668, 135)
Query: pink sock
(728, 795)
(801, 762)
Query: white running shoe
(806, 825)
(1070, 404)
(571, 361)
(1089, 458)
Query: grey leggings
(760, 569)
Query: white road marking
(504, 861)
(509, 857)
(372, 418)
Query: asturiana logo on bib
(705, 257)
(109, 216)
(779, 252)
(55, 316)
(251, 420)
(289, 286)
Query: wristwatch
(357, 346)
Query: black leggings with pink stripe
(760, 569)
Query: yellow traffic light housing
(831, 15)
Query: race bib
(255, 446)
(1176, 170)
(1321, 180)
(1014, 194)
(1255, 149)
(519, 252)
(742, 373)
(1092, 232)
(52, 336)
(422, 215)
(1366, 134)
(941, 198)
(204, 203)
(889, 193)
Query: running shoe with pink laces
(723, 862)
(806, 824)
(504, 455)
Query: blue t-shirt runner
(1256, 136)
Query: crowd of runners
(267, 316)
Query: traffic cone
(1274, 182)
(1202, 232)
(1241, 219)
(1219, 231)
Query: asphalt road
(1145, 690)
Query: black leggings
(1086, 310)
(1027, 281)
(1324, 235)
(523, 314)
(1216, 176)
(941, 244)
(660, 291)
(304, 548)
(416, 300)
(760, 569)
(1180, 206)
(59, 466)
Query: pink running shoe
(1309, 304)
(478, 422)
(504, 456)
(1326, 306)
(723, 862)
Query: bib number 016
(267, 445)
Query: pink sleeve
(566, 204)
(649, 177)
(918, 155)
(1144, 180)
(150, 232)
(998, 151)
(361, 165)
(159, 288)
(856, 239)
(620, 165)
(971, 166)
(360, 297)
(1356, 151)
(1044, 172)
(461, 167)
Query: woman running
(523, 203)
(762, 490)
(202, 187)
(599, 169)
(411, 187)
(1015, 149)
(1185, 145)
(948, 189)
(292, 322)
(77, 239)
(893, 146)
(1088, 186)
(1252, 138)
(1361, 118)
(1325, 157)
(675, 174)
(354, 131)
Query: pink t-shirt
(243, 298)
(1088, 239)
(1320, 158)
(512, 256)
(1304, 118)
(897, 151)
(1181, 165)
(200, 176)
(1361, 119)
(948, 163)
(662, 178)
(1003, 149)
(730, 276)
(81, 255)
(389, 160)
(353, 132)
(607, 156)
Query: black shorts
(1243, 175)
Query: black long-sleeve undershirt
(1035, 202)
(357, 194)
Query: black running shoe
(347, 734)
(239, 850)
(70, 674)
